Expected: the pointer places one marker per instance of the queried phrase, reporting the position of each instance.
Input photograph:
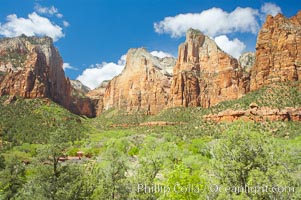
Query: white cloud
(46, 10)
(96, 74)
(212, 22)
(270, 9)
(66, 24)
(59, 15)
(161, 54)
(122, 60)
(233, 47)
(33, 25)
(68, 66)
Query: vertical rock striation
(96, 96)
(31, 67)
(143, 85)
(205, 75)
(278, 51)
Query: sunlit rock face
(205, 75)
(31, 67)
(143, 85)
(278, 51)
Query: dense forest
(49, 153)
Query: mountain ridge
(202, 75)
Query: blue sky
(93, 35)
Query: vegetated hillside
(190, 121)
(33, 120)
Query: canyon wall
(278, 51)
(31, 67)
(143, 85)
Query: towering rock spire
(204, 74)
(278, 51)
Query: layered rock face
(278, 51)
(143, 85)
(257, 114)
(31, 67)
(204, 75)
(97, 96)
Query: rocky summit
(143, 85)
(278, 55)
(204, 75)
(31, 67)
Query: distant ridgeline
(203, 75)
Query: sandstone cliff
(205, 75)
(97, 96)
(257, 114)
(31, 67)
(143, 85)
(278, 51)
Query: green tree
(53, 179)
(91, 179)
(183, 184)
(114, 184)
(12, 178)
(246, 159)
(155, 156)
(2, 162)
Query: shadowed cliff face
(97, 96)
(143, 85)
(31, 67)
(205, 75)
(278, 51)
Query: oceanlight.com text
(214, 188)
